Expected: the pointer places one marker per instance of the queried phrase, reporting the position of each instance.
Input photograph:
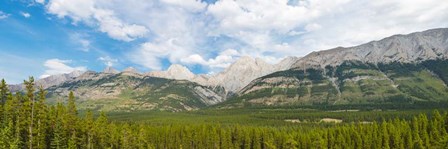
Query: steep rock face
(286, 63)
(411, 48)
(49, 81)
(233, 78)
(397, 69)
(110, 70)
(240, 73)
(57, 79)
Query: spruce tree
(42, 119)
(4, 92)
(30, 101)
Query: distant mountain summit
(401, 69)
(286, 63)
(130, 70)
(233, 78)
(411, 48)
(110, 70)
(49, 81)
(240, 73)
(175, 71)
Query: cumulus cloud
(82, 41)
(150, 54)
(105, 20)
(191, 5)
(57, 66)
(108, 61)
(187, 31)
(25, 14)
(3, 15)
(223, 60)
(40, 1)
(317, 24)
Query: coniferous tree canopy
(27, 122)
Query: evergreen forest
(27, 121)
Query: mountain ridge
(403, 48)
(400, 68)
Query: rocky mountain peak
(51, 80)
(286, 63)
(240, 73)
(180, 72)
(244, 60)
(175, 71)
(75, 73)
(110, 70)
(130, 70)
(414, 47)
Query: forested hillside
(351, 83)
(27, 122)
(128, 91)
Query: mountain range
(397, 69)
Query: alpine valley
(401, 69)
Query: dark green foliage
(29, 123)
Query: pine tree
(42, 119)
(29, 85)
(16, 142)
(60, 132)
(72, 118)
(71, 106)
(58, 141)
(88, 129)
(72, 142)
(101, 130)
(141, 139)
(418, 142)
(385, 135)
(317, 141)
(5, 134)
(4, 92)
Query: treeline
(27, 122)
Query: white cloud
(191, 5)
(275, 27)
(312, 27)
(150, 54)
(105, 20)
(108, 61)
(82, 41)
(25, 14)
(3, 15)
(223, 60)
(40, 1)
(235, 16)
(191, 31)
(57, 66)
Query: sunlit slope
(123, 92)
(350, 83)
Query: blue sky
(47, 37)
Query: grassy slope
(358, 83)
(136, 94)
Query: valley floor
(269, 116)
